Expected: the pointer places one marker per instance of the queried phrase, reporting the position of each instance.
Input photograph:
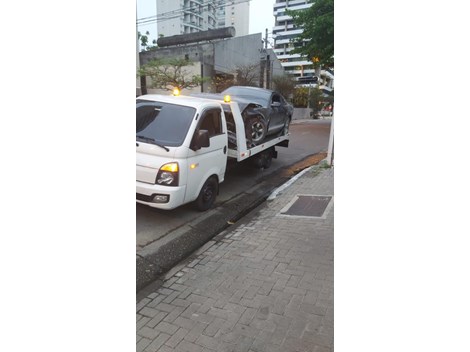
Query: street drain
(306, 205)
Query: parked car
(265, 112)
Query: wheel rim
(257, 131)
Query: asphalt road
(308, 137)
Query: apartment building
(284, 34)
(235, 13)
(190, 16)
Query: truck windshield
(165, 124)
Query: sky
(258, 23)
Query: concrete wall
(237, 51)
(301, 114)
(203, 54)
(277, 69)
(218, 56)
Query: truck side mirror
(275, 104)
(200, 140)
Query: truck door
(210, 160)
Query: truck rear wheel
(263, 160)
(207, 194)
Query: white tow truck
(183, 146)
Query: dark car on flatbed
(265, 112)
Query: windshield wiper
(152, 141)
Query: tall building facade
(234, 13)
(176, 17)
(285, 33)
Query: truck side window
(212, 121)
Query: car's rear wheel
(258, 129)
(207, 194)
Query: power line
(177, 13)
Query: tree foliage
(240, 75)
(316, 100)
(172, 73)
(144, 41)
(317, 37)
(247, 75)
(312, 98)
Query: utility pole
(138, 90)
(264, 74)
(266, 39)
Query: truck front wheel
(207, 194)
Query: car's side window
(276, 98)
(211, 121)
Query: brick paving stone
(156, 345)
(143, 303)
(156, 301)
(156, 319)
(142, 322)
(171, 296)
(166, 328)
(208, 342)
(176, 338)
(197, 330)
(186, 346)
(212, 329)
(148, 312)
(184, 323)
(266, 285)
(165, 307)
(142, 344)
(148, 333)
(175, 313)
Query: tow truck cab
(181, 145)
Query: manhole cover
(307, 205)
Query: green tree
(300, 99)
(240, 75)
(247, 75)
(144, 41)
(317, 100)
(168, 74)
(317, 38)
(309, 98)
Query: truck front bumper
(161, 197)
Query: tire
(263, 160)
(258, 129)
(207, 195)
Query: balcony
(290, 32)
(193, 25)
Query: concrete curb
(155, 259)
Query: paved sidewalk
(263, 285)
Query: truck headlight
(168, 175)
